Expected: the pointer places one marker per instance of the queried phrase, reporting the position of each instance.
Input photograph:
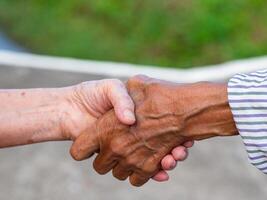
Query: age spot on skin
(23, 94)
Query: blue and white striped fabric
(247, 95)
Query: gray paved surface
(217, 169)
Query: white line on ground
(113, 69)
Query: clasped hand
(136, 151)
(167, 115)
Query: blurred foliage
(178, 33)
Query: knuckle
(148, 169)
(135, 164)
(75, 155)
(135, 183)
(136, 80)
(118, 176)
(115, 150)
(85, 83)
(99, 169)
(114, 82)
(114, 87)
(150, 166)
(140, 77)
(138, 181)
(131, 162)
(153, 85)
(117, 146)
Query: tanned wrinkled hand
(167, 116)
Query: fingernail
(129, 115)
(173, 164)
(183, 157)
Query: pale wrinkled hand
(90, 100)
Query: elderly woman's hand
(90, 100)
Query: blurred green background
(174, 33)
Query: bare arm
(32, 115)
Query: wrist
(209, 113)
(56, 111)
(66, 109)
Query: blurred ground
(217, 169)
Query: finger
(104, 162)
(136, 86)
(84, 146)
(121, 172)
(188, 144)
(161, 176)
(122, 102)
(168, 162)
(138, 180)
(159, 161)
(179, 153)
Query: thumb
(84, 146)
(122, 103)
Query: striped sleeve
(247, 94)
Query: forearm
(31, 116)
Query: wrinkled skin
(165, 114)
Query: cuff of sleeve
(248, 102)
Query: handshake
(167, 115)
